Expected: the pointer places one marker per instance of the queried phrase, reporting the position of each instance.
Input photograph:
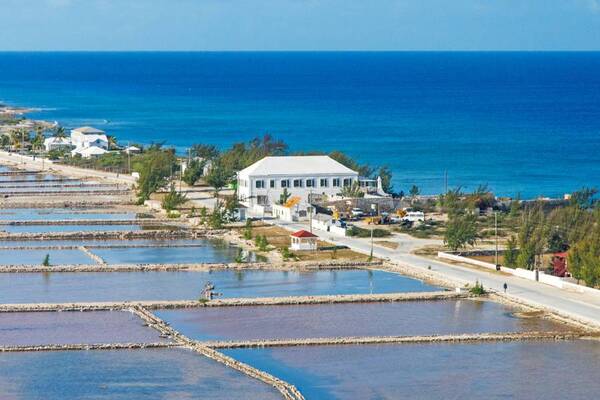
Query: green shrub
(478, 289)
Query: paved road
(582, 306)
(25, 162)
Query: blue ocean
(525, 123)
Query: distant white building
(88, 152)
(87, 136)
(57, 143)
(261, 184)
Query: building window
(297, 183)
(347, 181)
(262, 200)
(285, 183)
(260, 184)
(336, 182)
(323, 182)
(272, 183)
(310, 183)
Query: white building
(88, 152)
(261, 184)
(87, 136)
(57, 143)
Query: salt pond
(354, 319)
(73, 228)
(502, 370)
(41, 328)
(152, 374)
(34, 214)
(36, 257)
(180, 285)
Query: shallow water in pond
(167, 255)
(74, 327)
(499, 370)
(52, 189)
(52, 214)
(71, 228)
(36, 257)
(150, 374)
(187, 285)
(355, 319)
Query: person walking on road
(505, 287)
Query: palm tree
(38, 141)
(112, 142)
(59, 132)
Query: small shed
(303, 240)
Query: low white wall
(337, 230)
(523, 273)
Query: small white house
(57, 143)
(303, 240)
(87, 136)
(88, 152)
(262, 183)
(132, 150)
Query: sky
(299, 25)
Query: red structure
(559, 262)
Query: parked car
(357, 213)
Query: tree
(218, 177)
(515, 206)
(584, 198)
(59, 132)
(511, 253)
(532, 236)
(193, 172)
(112, 142)
(584, 260)
(461, 231)
(204, 151)
(284, 196)
(414, 191)
(347, 161)
(173, 199)
(352, 191)
(385, 173)
(248, 229)
(155, 165)
(38, 140)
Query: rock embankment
(287, 266)
(476, 337)
(288, 391)
(71, 347)
(104, 235)
(235, 302)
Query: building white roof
(92, 138)
(297, 165)
(89, 130)
(57, 140)
(90, 151)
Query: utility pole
(496, 233)
(371, 255)
(128, 158)
(445, 181)
(310, 211)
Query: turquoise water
(356, 319)
(27, 214)
(517, 370)
(36, 257)
(94, 327)
(187, 285)
(157, 374)
(67, 228)
(168, 255)
(522, 122)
